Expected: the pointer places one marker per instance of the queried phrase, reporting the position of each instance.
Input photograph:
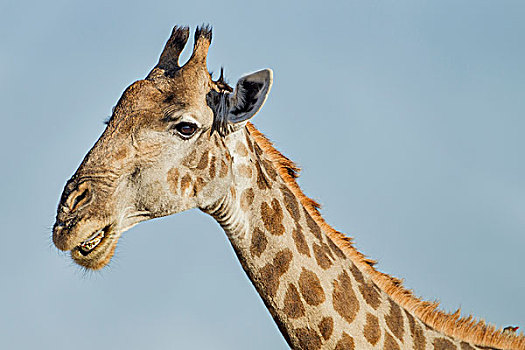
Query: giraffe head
(162, 151)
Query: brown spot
(293, 306)
(326, 327)
(268, 166)
(443, 344)
(191, 160)
(224, 169)
(310, 287)
(272, 272)
(390, 342)
(173, 180)
(121, 154)
(314, 228)
(395, 320)
(245, 171)
(211, 169)
(185, 183)
(358, 276)
(367, 288)
(198, 185)
(290, 203)
(272, 217)
(370, 293)
(372, 332)
(259, 242)
(343, 298)
(308, 339)
(300, 242)
(320, 255)
(203, 162)
(233, 192)
(327, 251)
(249, 142)
(417, 333)
(262, 181)
(466, 346)
(345, 343)
(247, 199)
(336, 249)
(241, 150)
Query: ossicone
(201, 45)
(169, 58)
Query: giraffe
(179, 140)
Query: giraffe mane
(465, 328)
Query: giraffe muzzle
(84, 225)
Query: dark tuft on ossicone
(204, 31)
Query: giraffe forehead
(150, 100)
(139, 96)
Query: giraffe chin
(98, 251)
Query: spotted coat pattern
(318, 297)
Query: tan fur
(452, 324)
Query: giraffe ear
(249, 95)
(232, 109)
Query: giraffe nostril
(78, 197)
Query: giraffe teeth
(89, 244)
(94, 235)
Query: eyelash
(186, 129)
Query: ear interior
(249, 96)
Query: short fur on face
(159, 154)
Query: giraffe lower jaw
(97, 250)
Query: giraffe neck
(316, 294)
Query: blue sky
(407, 118)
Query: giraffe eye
(186, 129)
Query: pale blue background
(407, 118)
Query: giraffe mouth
(97, 250)
(87, 246)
